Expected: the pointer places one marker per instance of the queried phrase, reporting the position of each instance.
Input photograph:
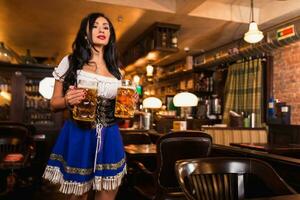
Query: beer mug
(125, 100)
(86, 109)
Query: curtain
(244, 89)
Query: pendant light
(6, 54)
(149, 70)
(253, 35)
(136, 79)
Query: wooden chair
(162, 183)
(16, 149)
(222, 178)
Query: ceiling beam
(168, 6)
(275, 10)
(183, 7)
(226, 12)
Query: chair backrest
(135, 138)
(10, 129)
(176, 146)
(13, 138)
(11, 145)
(222, 178)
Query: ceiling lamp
(149, 70)
(136, 79)
(5, 98)
(253, 35)
(5, 54)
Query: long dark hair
(82, 50)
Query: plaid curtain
(243, 89)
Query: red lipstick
(101, 37)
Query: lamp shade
(5, 98)
(149, 70)
(185, 99)
(5, 55)
(136, 79)
(152, 102)
(253, 35)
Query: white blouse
(107, 86)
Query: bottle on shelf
(28, 59)
(246, 120)
(216, 105)
(271, 108)
(174, 40)
(163, 38)
(252, 119)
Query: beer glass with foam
(86, 109)
(125, 100)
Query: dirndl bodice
(104, 117)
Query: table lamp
(184, 100)
(152, 103)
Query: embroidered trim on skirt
(71, 162)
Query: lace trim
(87, 171)
(54, 175)
(57, 76)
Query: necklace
(95, 68)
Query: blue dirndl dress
(86, 158)
(71, 162)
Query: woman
(88, 158)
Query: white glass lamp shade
(46, 87)
(5, 54)
(149, 70)
(152, 102)
(136, 79)
(5, 98)
(185, 99)
(253, 35)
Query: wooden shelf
(176, 75)
(203, 93)
(152, 45)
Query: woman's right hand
(74, 96)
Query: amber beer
(125, 101)
(86, 109)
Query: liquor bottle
(28, 59)
(164, 39)
(174, 40)
(271, 108)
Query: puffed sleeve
(61, 69)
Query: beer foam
(87, 84)
(128, 87)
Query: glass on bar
(86, 109)
(125, 100)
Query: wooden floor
(47, 191)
